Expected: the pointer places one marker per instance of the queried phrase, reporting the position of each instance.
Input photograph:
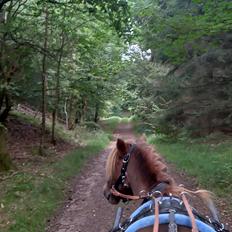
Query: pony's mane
(111, 164)
(153, 164)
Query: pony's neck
(139, 176)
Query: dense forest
(166, 62)
(186, 86)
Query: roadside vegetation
(33, 190)
(209, 162)
(110, 124)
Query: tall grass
(210, 163)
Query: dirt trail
(86, 209)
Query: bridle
(121, 181)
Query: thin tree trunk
(70, 110)
(54, 113)
(5, 160)
(2, 95)
(44, 80)
(83, 109)
(66, 114)
(5, 113)
(96, 113)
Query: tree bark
(66, 114)
(70, 112)
(5, 160)
(2, 95)
(96, 115)
(57, 91)
(5, 112)
(83, 109)
(44, 81)
(5, 102)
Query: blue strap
(150, 204)
(181, 220)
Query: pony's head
(113, 171)
(143, 170)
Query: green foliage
(169, 27)
(141, 128)
(83, 54)
(110, 124)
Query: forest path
(86, 209)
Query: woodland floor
(85, 208)
(23, 144)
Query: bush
(110, 124)
(91, 125)
(144, 128)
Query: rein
(155, 192)
(153, 195)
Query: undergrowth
(60, 131)
(209, 162)
(30, 195)
(110, 124)
(29, 198)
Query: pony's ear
(121, 146)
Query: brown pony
(144, 171)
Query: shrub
(91, 126)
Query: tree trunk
(5, 160)
(44, 81)
(5, 112)
(70, 112)
(54, 113)
(66, 114)
(2, 96)
(96, 113)
(83, 109)
(5, 103)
